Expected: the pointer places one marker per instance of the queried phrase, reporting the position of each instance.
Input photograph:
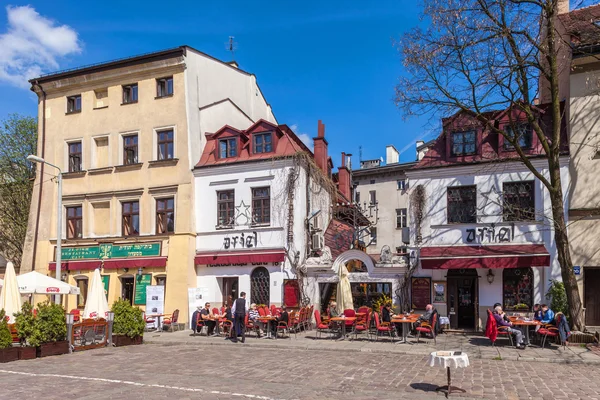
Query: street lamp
(110, 318)
(36, 159)
(70, 321)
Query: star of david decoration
(242, 211)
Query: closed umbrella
(344, 292)
(34, 282)
(96, 305)
(10, 299)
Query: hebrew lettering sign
(109, 250)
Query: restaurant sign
(109, 250)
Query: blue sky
(332, 60)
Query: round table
(406, 322)
(448, 359)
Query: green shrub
(129, 320)
(24, 322)
(558, 296)
(50, 324)
(5, 337)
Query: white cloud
(32, 45)
(305, 137)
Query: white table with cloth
(449, 359)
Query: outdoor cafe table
(526, 324)
(343, 319)
(447, 359)
(404, 322)
(267, 321)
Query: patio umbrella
(344, 292)
(1, 282)
(96, 305)
(34, 282)
(10, 299)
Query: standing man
(239, 310)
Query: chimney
(344, 178)
(563, 6)
(392, 156)
(320, 144)
(419, 144)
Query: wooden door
(591, 279)
(452, 302)
(230, 290)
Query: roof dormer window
(464, 143)
(228, 148)
(263, 142)
(521, 133)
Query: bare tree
(478, 56)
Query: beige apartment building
(126, 135)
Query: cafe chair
(170, 322)
(363, 326)
(283, 327)
(382, 329)
(427, 328)
(76, 315)
(492, 330)
(149, 323)
(321, 327)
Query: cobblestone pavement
(240, 371)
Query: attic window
(227, 148)
(520, 133)
(464, 143)
(263, 142)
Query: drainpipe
(39, 206)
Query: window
(164, 87)
(372, 197)
(464, 143)
(518, 201)
(227, 148)
(225, 207)
(261, 205)
(373, 231)
(165, 215)
(131, 218)
(161, 281)
(401, 184)
(130, 93)
(367, 294)
(263, 143)
(82, 284)
(357, 197)
(74, 222)
(517, 289)
(462, 205)
(372, 182)
(401, 218)
(130, 149)
(165, 144)
(74, 104)
(523, 135)
(127, 289)
(74, 157)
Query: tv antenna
(231, 46)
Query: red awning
(152, 262)
(500, 256)
(240, 257)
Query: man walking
(239, 310)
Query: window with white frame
(401, 218)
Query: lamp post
(36, 159)
(70, 321)
(110, 318)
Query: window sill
(128, 167)
(265, 225)
(101, 170)
(163, 163)
(163, 97)
(131, 102)
(165, 234)
(100, 108)
(73, 112)
(223, 227)
(78, 174)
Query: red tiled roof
(581, 25)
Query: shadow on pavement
(425, 387)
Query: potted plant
(50, 330)
(129, 324)
(7, 351)
(24, 324)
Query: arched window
(260, 286)
(517, 289)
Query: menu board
(141, 282)
(420, 292)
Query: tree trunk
(562, 249)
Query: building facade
(485, 234)
(126, 135)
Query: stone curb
(309, 347)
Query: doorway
(463, 299)
(127, 289)
(260, 290)
(591, 282)
(230, 291)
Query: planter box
(10, 354)
(27, 353)
(53, 349)
(122, 340)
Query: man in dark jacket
(284, 317)
(239, 310)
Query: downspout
(39, 206)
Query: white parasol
(344, 292)
(34, 282)
(10, 299)
(96, 305)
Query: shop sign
(420, 292)
(141, 283)
(245, 240)
(109, 250)
(490, 234)
(106, 283)
(275, 264)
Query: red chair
(215, 311)
(550, 330)
(265, 310)
(76, 314)
(199, 324)
(427, 328)
(382, 329)
(363, 325)
(171, 321)
(148, 321)
(261, 312)
(273, 309)
(492, 330)
(320, 325)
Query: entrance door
(127, 289)
(230, 290)
(592, 296)
(463, 299)
(260, 290)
